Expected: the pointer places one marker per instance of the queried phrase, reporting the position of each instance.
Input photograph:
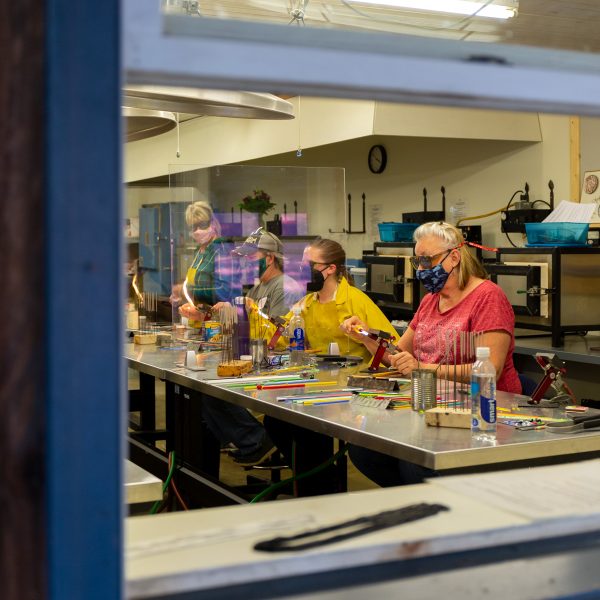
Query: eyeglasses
(200, 225)
(312, 263)
(427, 261)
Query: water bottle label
(474, 388)
(298, 342)
(488, 409)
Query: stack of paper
(571, 212)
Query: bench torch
(280, 325)
(554, 372)
(384, 344)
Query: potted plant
(257, 202)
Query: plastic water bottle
(297, 342)
(483, 397)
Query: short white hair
(452, 237)
(449, 235)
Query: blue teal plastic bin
(396, 232)
(557, 234)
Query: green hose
(165, 484)
(314, 470)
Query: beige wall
(481, 172)
(590, 146)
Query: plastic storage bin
(557, 234)
(360, 277)
(396, 232)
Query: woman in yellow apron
(331, 300)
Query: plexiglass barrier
(189, 232)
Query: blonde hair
(202, 211)
(452, 237)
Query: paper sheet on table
(537, 493)
(571, 212)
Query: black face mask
(317, 281)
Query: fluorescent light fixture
(461, 7)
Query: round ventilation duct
(214, 103)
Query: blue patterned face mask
(433, 280)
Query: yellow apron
(323, 327)
(190, 279)
(323, 321)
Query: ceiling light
(506, 10)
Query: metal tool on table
(576, 424)
(554, 373)
(350, 529)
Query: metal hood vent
(141, 123)
(159, 103)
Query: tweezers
(350, 529)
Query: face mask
(203, 237)
(262, 266)
(317, 281)
(433, 280)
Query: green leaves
(258, 202)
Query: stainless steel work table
(399, 433)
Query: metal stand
(554, 371)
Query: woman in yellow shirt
(330, 301)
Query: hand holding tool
(384, 341)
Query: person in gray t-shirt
(275, 293)
(280, 291)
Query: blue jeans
(385, 470)
(232, 423)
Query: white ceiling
(558, 24)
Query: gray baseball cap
(260, 240)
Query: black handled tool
(350, 529)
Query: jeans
(387, 471)
(232, 423)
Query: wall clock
(377, 159)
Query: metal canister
(423, 389)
